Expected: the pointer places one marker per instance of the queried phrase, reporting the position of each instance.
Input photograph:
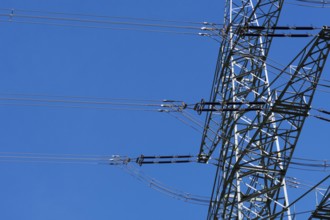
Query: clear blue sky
(42, 59)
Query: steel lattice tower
(322, 211)
(253, 122)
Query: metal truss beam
(256, 147)
(234, 60)
(239, 75)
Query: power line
(111, 28)
(21, 99)
(310, 3)
(12, 16)
(75, 20)
(78, 101)
(82, 97)
(39, 100)
(103, 22)
(110, 17)
(43, 157)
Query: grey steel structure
(253, 121)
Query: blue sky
(67, 61)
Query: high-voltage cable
(124, 163)
(209, 29)
(309, 3)
(104, 22)
(89, 102)
(27, 157)
(12, 10)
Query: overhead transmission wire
(105, 160)
(105, 16)
(43, 157)
(12, 11)
(211, 29)
(100, 103)
(17, 99)
(21, 99)
(160, 187)
(310, 3)
(76, 20)
(29, 157)
(123, 161)
(106, 22)
(208, 28)
(84, 102)
(77, 97)
(100, 21)
(78, 101)
(53, 101)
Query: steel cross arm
(244, 14)
(268, 142)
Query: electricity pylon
(252, 120)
